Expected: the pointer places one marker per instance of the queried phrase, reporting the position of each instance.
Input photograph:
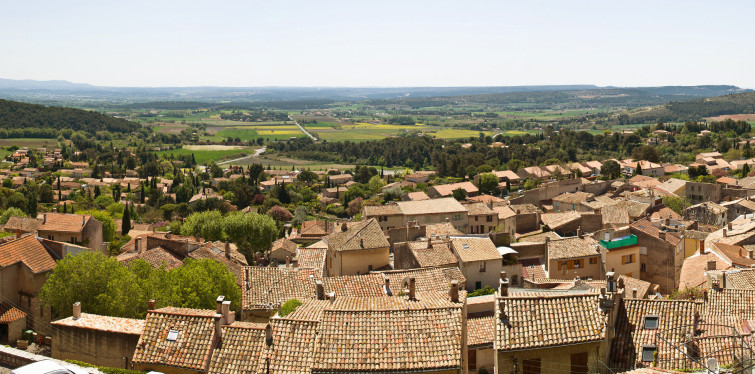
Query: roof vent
(172, 335)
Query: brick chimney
(412, 288)
(227, 250)
(219, 304)
(151, 304)
(320, 290)
(503, 285)
(228, 316)
(197, 238)
(77, 310)
(454, 292)
(711, 265)
(218, 330)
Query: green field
(202, 156)
(29, 142)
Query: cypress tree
(126, 225)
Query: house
(312, 231)
(334, 192)
(739, 208)
(675, 187)
(388, 216)
(447, 190)
(480, 337)
(707, 213)
(675, 168)
(95, 339)
(72, 228)
(340, 179)
(359, 250)
(504, 175)
(507, 218)
(416, 178)
(573, 257)
(22, 225)
(479, 261)
(283, 251)
(422, 212)
(527, 217)
(557, 170)
(621, 255)
(482, 219)
(533, 172)
(594, 166)
(661, 254)
(581, 169)
(575, 201)
(424, 254)
(415, 196)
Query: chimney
(151, 304)
(387, 286)
(726, 233)
(662, 235)
(218, 330)
(197, 238)
(454, 292)
(168, 235)
(344, 227)
(83, 220)
(219, 304)
(268, 335)
(18, 233)
(634, 293)
(228, 317)
(412, 289)
(579, 232)
(503, 285)
(77, 310)
(361, 242)
(728, 226)
(448, 219)
(320, 290)
(44, 218)
(332, 296)
(751, 254)
(228, 250)
(711, 264)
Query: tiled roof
(285, 245)
(571, 248)
(29, 251)
(25, 224)
(382, 210)
(438, 254)
(448, 189)
(485, 198)
(241, 350)
(470, 249)
(9, 313)
(60, 222)
(427, 279)
(647, 227)
(664, 213)
(694, 267)
(480, 330)
(536, 322)
(269, 286)
(532, 268)
(311, 258)
(392, 340)
(535, 171)
(156, 257)
(504, 212)
(309, 310)
(744, 279)
(539, 238)
(735, 254)
(293, 346)
(507, 174)
(416, 196)
(631, 283)
(441, 229)
(524, 208)
(729, 305)
(191, 348)
(615, 214)
(556, 220)
(578, 197)
(447, 205)
(631, 334)
(478, 209)
(316, 228)
(635, 208)
(214, 251)
(104, 323)
(365, 285)
(364, 235)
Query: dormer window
(172, 335)
(651, 322)
(648, 353)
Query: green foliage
(250, 232)
(610, 169)
(289, 307)
(104, 286)
(707, 178)
(11, 212)
(104, 369)
(688, 293)
(208, 225)
(488, 183)
(22, 115)
(482, 292)
(677, 204)
(108, 225)
(460, 194)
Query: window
(472, 359)
(514, 279)
(531, 366)
(579, 363)
(73, 240)
(563, 264)
(593, 260)
(476, 218)
(172, 335)
(490, 218)
(628, 259)
(50, 237)
(648, 353)
(642, 268)
(482, 267)
(651, 322)
(578, 264)
(477, 285)
(573, 207)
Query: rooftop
(104, 323)
(446, 205)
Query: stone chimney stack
(151, 305)
(729, 226)
(228, 317)
(503, 285)
(726, 233)
(662, 235)
(412, 288)
(751, 254)
(288, 261)
(77, 310)
(227, 250)
(219, 304)
(711, 264)
(454, 292)
(18, 233)
(320, 290)
(579, 232)
(218, 330)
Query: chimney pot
(288, 261)
(361, 242)
(320, 290)
(448, 219)
(218, 330)
(662, 235)
(711, 264)
(228, 317)
(454, 292)
(725, 233)
(227, 250)
(332, 296)
(728, 226)
(412, 288)
(77, 310)
(219, 304)
(151, 304)
(503, 285)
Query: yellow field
(382, 126)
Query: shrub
(289, 307)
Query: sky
(379, 43)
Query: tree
(488, 183)
(197, 284)
(300, 215)
(126, 225)
(460, 194)
(207, 224)
(250, 232)
(638, 170)
(745, 171)
(31, 207)
(677, 204)
(11, 212)
(307, 176)
(610, 169)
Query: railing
(620, 242)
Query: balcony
(624, 241)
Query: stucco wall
(94, 347)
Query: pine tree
(97, 191)
(65, 208)
(126, 226)
(31, 208)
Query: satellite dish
(712, 366)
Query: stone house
(283, 251)
(573, 257)
(707, 213)
(661, 254)
(447, 190)
(482, 219)
(421, 212)
(72, 228)
(621, 255)
(698, 192)
(479, 261)
(359, 250)
(388, 216)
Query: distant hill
(28, 84)
(696, 110)
(17, 115)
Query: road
(256, 153)
(302, 129)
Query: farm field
(29, 142)
(205, 153)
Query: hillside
(696, 110)
(17, 115)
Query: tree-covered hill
(17, 115)
(695, 110)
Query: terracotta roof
(284, 245)
(316, 228)
(104, 323)
(615, 214)
(694, 268)
(535, 171)
(524, 208)
(241, 350)
(293, 346)
(744, 278)
(556, 220)
(192, 346)
(364, 285)
(631, 283)
(311, 258)
(539, 238)
(480, 330)
(439, 254)
(427, 279)
(416, 196)
(734, 254)
(647, 227)
(504, 212)
(441, 229)
(471, 249)
(631, 334)
(445, 205)
(156, 257)
(730, 306)
(536, 322)
(364, 235)
(60, 222)
(532, 268)
(485, 198)
(9, 313)
(477, 209)
(391, 340)
(578, 197)
(25, 224)
(29, 251)
(664, 213)
(269, 286)
(635, 208)
(448, 189)
(213, 251)
(571, 248)
(382, 210)
(506, 174)
(309, 310)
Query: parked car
(48, 367)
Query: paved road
(256, 153)
(302, 129)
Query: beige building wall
(356, 262)
(481, 225)
(616, 258)
(485, 360)
(489, 277)
(94, 347)
(459, 220)
(555, 360)
(692, 246)
(590, 267)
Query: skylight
(648, 353)
(465, 246)
(172, 335)
(651, 322)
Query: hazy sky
(379, 43)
